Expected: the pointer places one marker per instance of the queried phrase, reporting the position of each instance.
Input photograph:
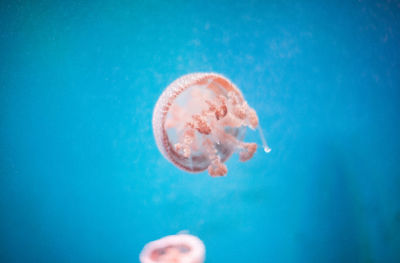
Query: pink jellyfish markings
(200, 120)
(180, 248)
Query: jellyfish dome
(200, 120)
(180, 248)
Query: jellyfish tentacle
(245, 116)
(201, 124)
(242, 111)
(267, 149)
(247, 152)
(252, 118)
(246, 149)
(216, 167)
(186, 142)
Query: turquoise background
(81, 179)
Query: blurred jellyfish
(200, 120)
(180, 248)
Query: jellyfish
(200, 120)
(180, 248)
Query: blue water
(81, 179)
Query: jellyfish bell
(180, 248)
(200, 120)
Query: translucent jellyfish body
(180, 248)
(200, 120)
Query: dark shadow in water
(334, 228)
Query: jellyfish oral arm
(210, 125)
